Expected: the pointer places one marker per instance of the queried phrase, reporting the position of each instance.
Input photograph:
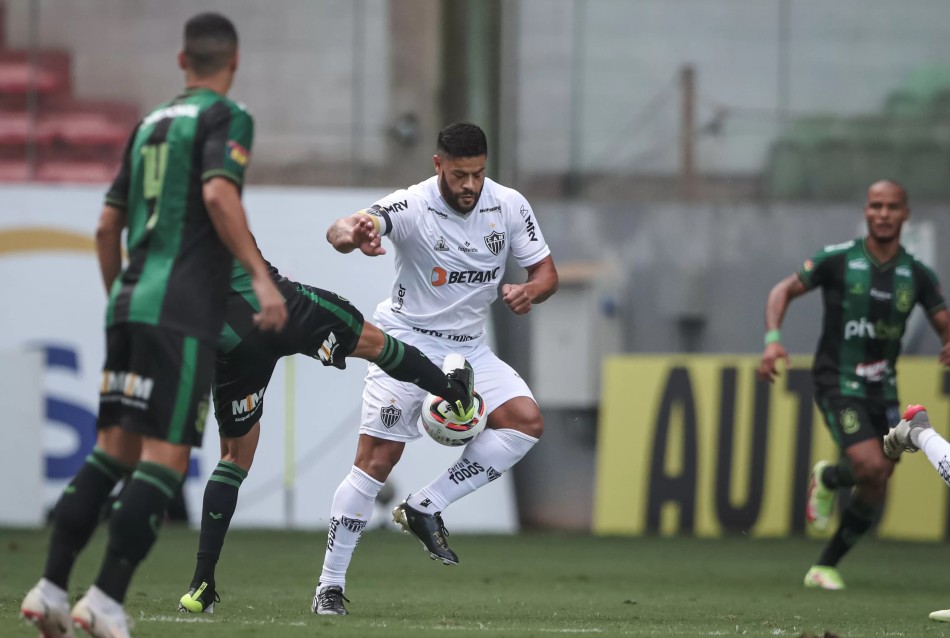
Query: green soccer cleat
(199, 600)
(819, 500)
(824, 577)
(462, 381)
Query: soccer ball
(441, 424)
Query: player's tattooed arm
(359, 230)
(541, 284)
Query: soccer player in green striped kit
(869, 287)
(178, 194)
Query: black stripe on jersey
(204, 273)
(140, 253)
(877, 349)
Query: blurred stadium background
(681, 157)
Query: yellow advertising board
(697, 445)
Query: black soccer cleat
(461, 389)
(329, 601)
(429, 529)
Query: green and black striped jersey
(866, 306)
(179, 270)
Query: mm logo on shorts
(247, 405)
(126, 383)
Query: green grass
(526, 585)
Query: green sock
(220, 501)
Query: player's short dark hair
(898, 185)
(210, 43)
(462, 139)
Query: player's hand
(516, 297)
(366, 238)
(768, 370)
(273, 313)
(945, 354)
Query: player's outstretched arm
(226, 211)
(109, 243)
(779, 297)
(359, 230)
(940, 320)
(542, 282)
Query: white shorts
(391, 408)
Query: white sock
(350, 512)
(482, 461)
(53, 592)
(937, 450)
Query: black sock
(838, 475)
(220, 501)
(133, 527)
(78, 511)
(856, 520)
(404, 362)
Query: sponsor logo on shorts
(243, 409)
(390, 415)
(127, 387)
(328, 349)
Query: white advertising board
(53, 302)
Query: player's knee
(872, 472)
(533, 425)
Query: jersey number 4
(155, 159)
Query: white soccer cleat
(46, 607)
(100, 616)
(901, 438)
(942, 615)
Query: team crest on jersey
(440, 245)
(904, 298)
(495, 242)
(390, 415)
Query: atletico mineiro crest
(390, 415)
(495, 242)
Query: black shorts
(155, 382)
(320, 324)
(852, 420)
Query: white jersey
(449, 265)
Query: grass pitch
(526, 585)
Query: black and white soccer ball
(441, 423)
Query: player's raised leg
(514, 426)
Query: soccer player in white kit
(914, 433)
(452, 234)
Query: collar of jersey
(887, 265)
